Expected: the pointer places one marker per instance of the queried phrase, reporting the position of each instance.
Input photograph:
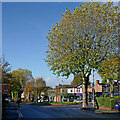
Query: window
(78, 90)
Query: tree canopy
(22, 75)
(109, 69)
(82, 39)
(40, 84)
(77, 79)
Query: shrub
(100, 101)
(107, 101)
(112, 103)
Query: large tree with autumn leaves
(82, 39)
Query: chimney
(97, 82)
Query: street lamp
(35, 96)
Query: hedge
(107, 101)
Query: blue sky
(24, 30)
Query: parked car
(7, 100)
(117, 106)
(78, 101)
(45, 99)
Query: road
(73, 111)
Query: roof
(68, 86)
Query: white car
(77, 101)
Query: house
(71, 92)
(68, 92)
(101, 88)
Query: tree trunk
(85, 102)
(111, 89)
(12, 95)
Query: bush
(112, 103)
(106, 95)
(107, 101)
(100, 101)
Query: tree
(109, 70)
(40, 84)
(5, 69)
(21, 77)
(29, 89)
(83, 39)
(64, 93)
(77, 79)
(51, 94)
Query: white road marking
(19, 114)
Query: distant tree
(109, 70)
(30, 90)
(21, 77)
(77, 79)
(40, 84)
(51, 93)
(64, 93)
(83, 39)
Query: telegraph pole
(62, 91)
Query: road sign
(5, 89)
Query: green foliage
(104, 80)
(20, 78)
(82, 40)
(41, 103)
(112, 102)
(5, 69)
(22, 75)
(106, 95)
(77, 79)
(100, 101)
(40, 83)
(107, 101)
(109, 68)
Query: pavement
(10, 111)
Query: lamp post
(35, 96)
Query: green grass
(41, 103)
(71, 103)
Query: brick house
(76, 91)
(101, 88)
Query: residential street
(48, 111)
(73, 111)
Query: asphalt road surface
(73, 111)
